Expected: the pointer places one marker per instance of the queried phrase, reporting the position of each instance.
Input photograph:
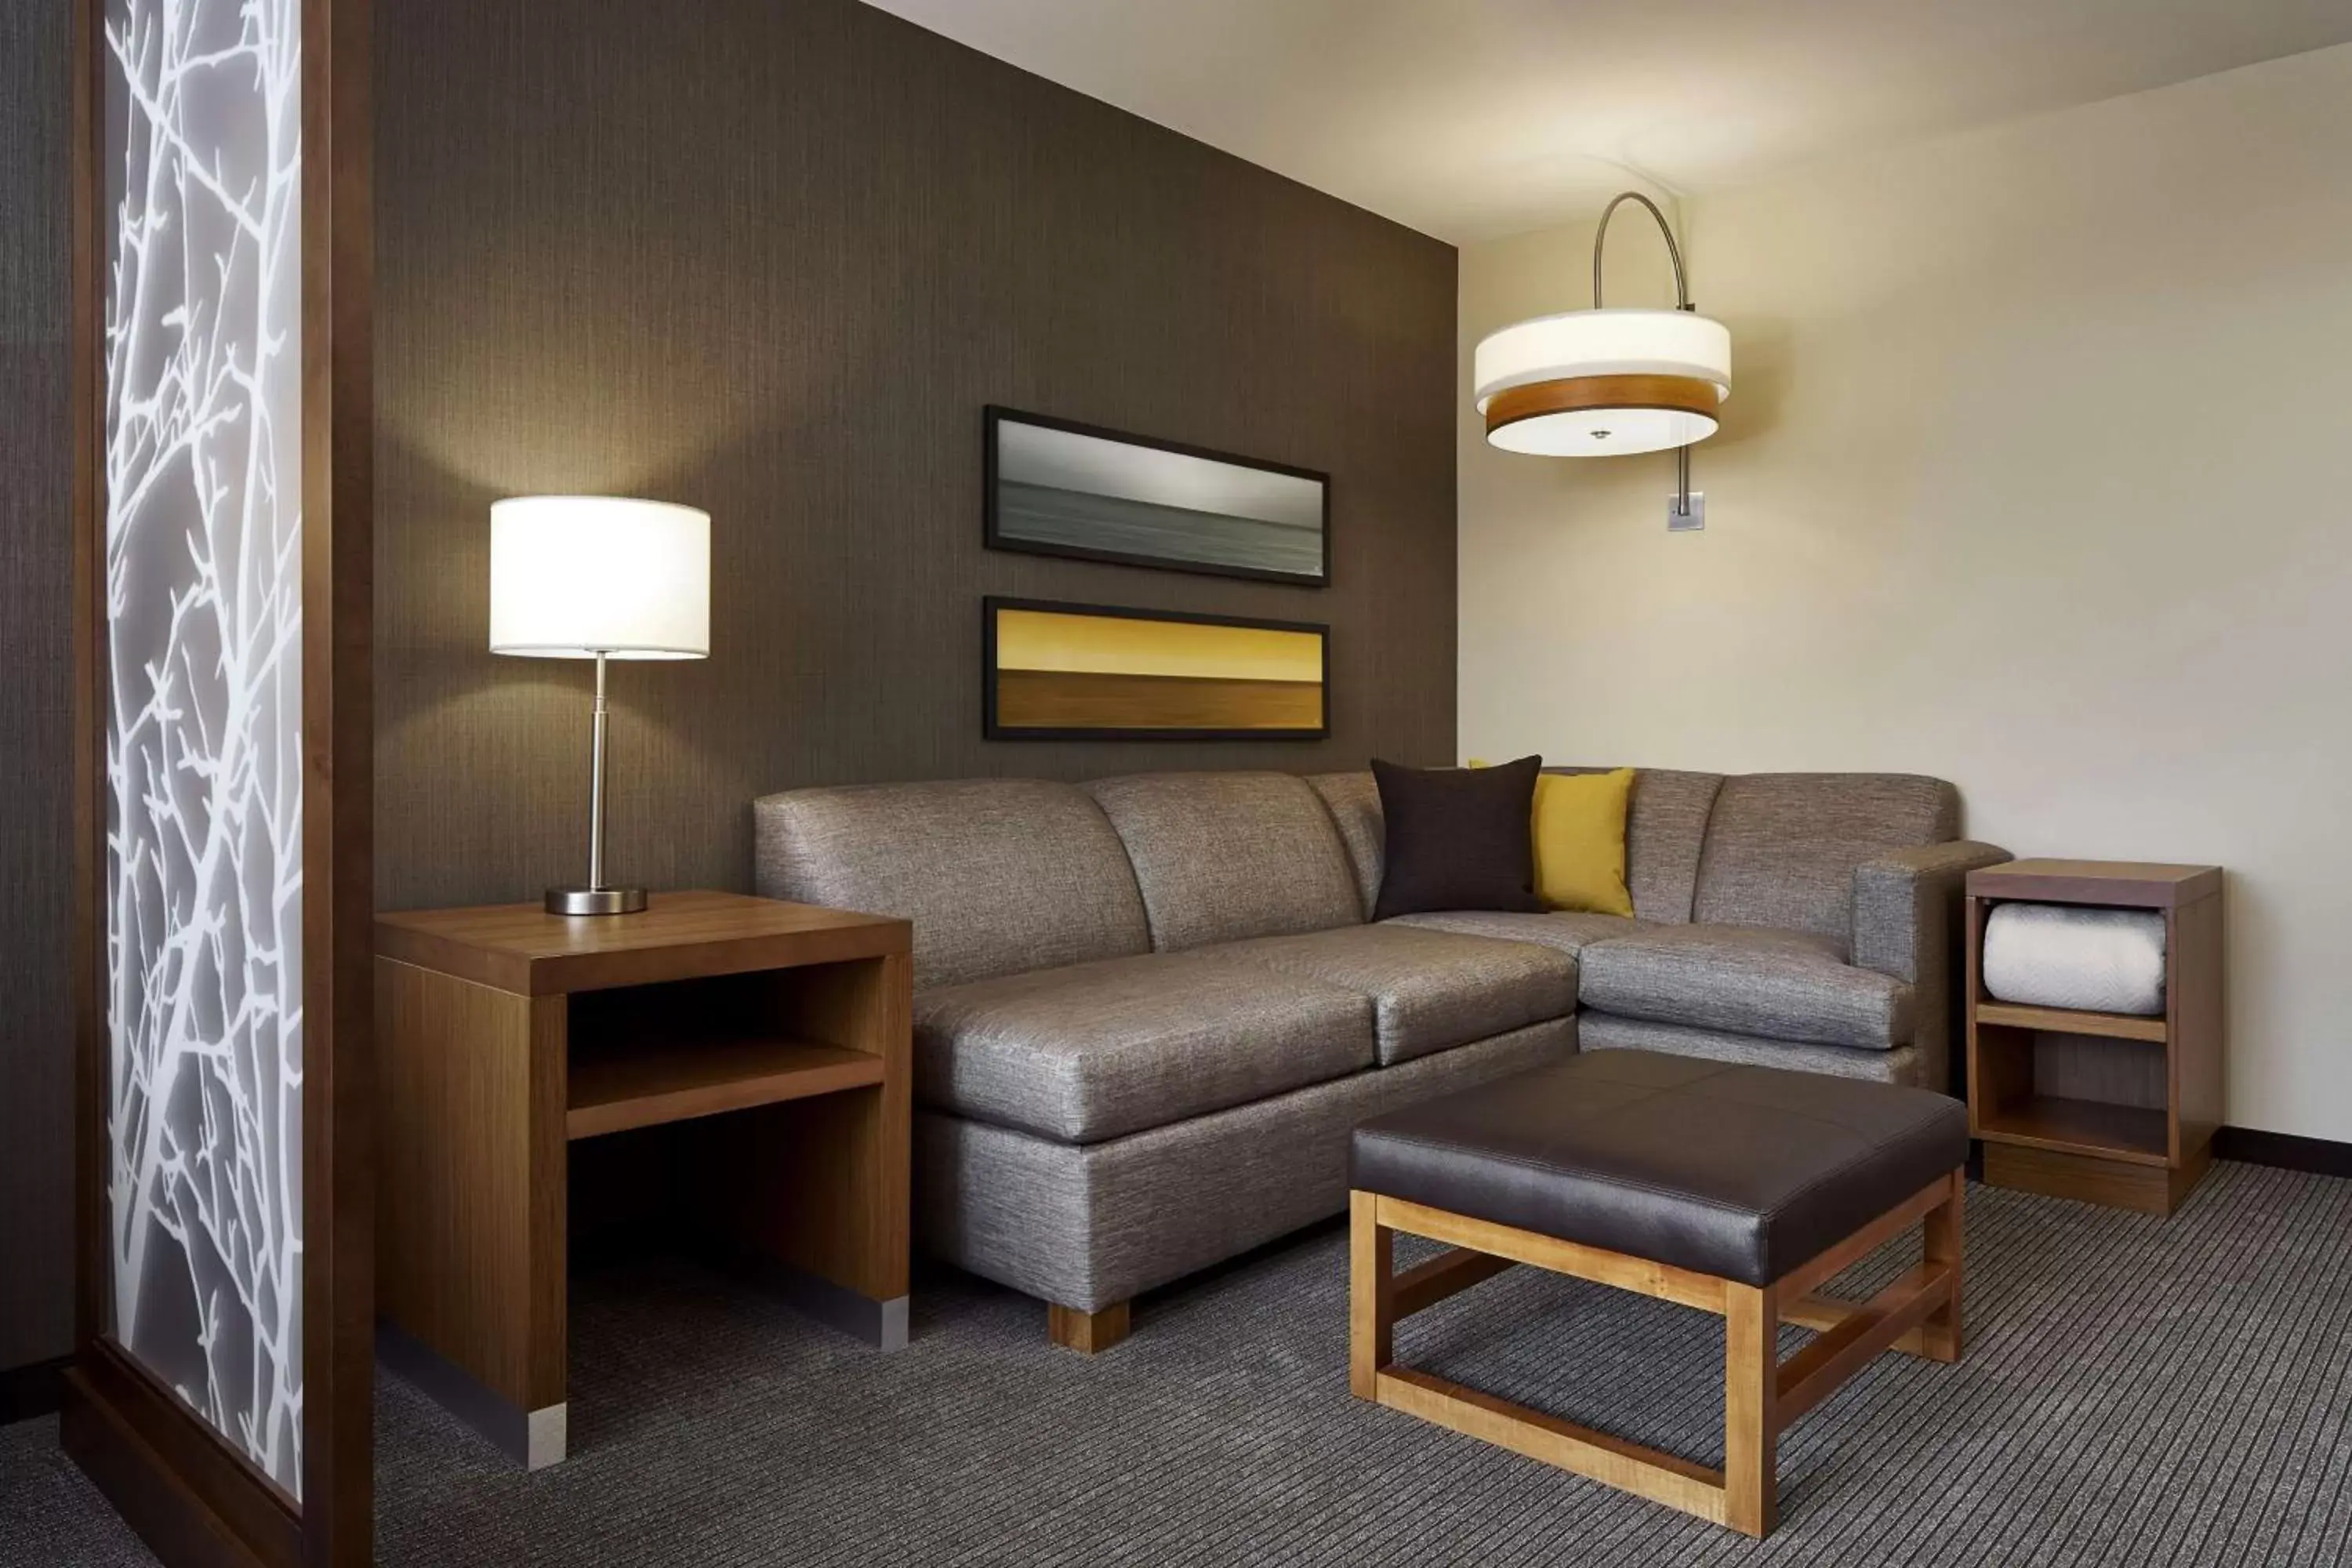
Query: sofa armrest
(1907, 910)
(1905, 901)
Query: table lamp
(599, 577)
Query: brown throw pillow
(1458, 839)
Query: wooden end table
(2109, 1108)
(506, 1033)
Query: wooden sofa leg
(1086, 1332)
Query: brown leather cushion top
(1739, 1171)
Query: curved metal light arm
(1682, 302)
(1600, 237)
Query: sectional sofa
(1148, 1009)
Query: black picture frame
(993, 730)
(993, 537)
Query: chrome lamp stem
(596, 899)
(596, 786)
(1682, 302)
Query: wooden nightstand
(2107, 1106)
(504, 1035)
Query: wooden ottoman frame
(1919, 1313)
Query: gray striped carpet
(2135, 1392)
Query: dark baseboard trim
(2287, 1150)
(196, 1502)
(36, 1388)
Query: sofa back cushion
(998, 875)
(1782, 847)
(1665, 827)
(1221, 857)
(1354, 802)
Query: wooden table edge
(858, 936)
(2129, 884)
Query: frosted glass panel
(204, 615)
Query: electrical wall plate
(1691, 522)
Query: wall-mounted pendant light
(1604, 383)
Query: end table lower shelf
(617, 1086)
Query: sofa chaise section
(1806, 921)
(1745, 980)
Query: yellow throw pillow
(1580, 841)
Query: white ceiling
(1472, 118)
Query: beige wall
(2037, 476)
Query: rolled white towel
(2068, 956)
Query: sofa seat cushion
(1568, 931)
(1096, 1050)
(1782, 985)
(1429, 990)
(1907, 1065)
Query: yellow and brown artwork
(1061, 670)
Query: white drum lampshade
(1604, 383)
(599, 577)
(575, 576)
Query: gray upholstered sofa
(1148, 1009)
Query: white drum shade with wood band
(1604, 383)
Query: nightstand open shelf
(2112, 1108)
(2070, 1021)
(640, 1056)
(2092, 1127)
(626, 1085)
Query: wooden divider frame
(1918, 1314)
(191, 1496)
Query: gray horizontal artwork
(1068, 492)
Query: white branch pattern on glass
(204, 604)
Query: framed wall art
(1054, 671)
(1054, 488)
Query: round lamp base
(595, 901)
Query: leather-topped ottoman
(1739, 1190)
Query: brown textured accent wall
(770, 257)
(35, 689)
